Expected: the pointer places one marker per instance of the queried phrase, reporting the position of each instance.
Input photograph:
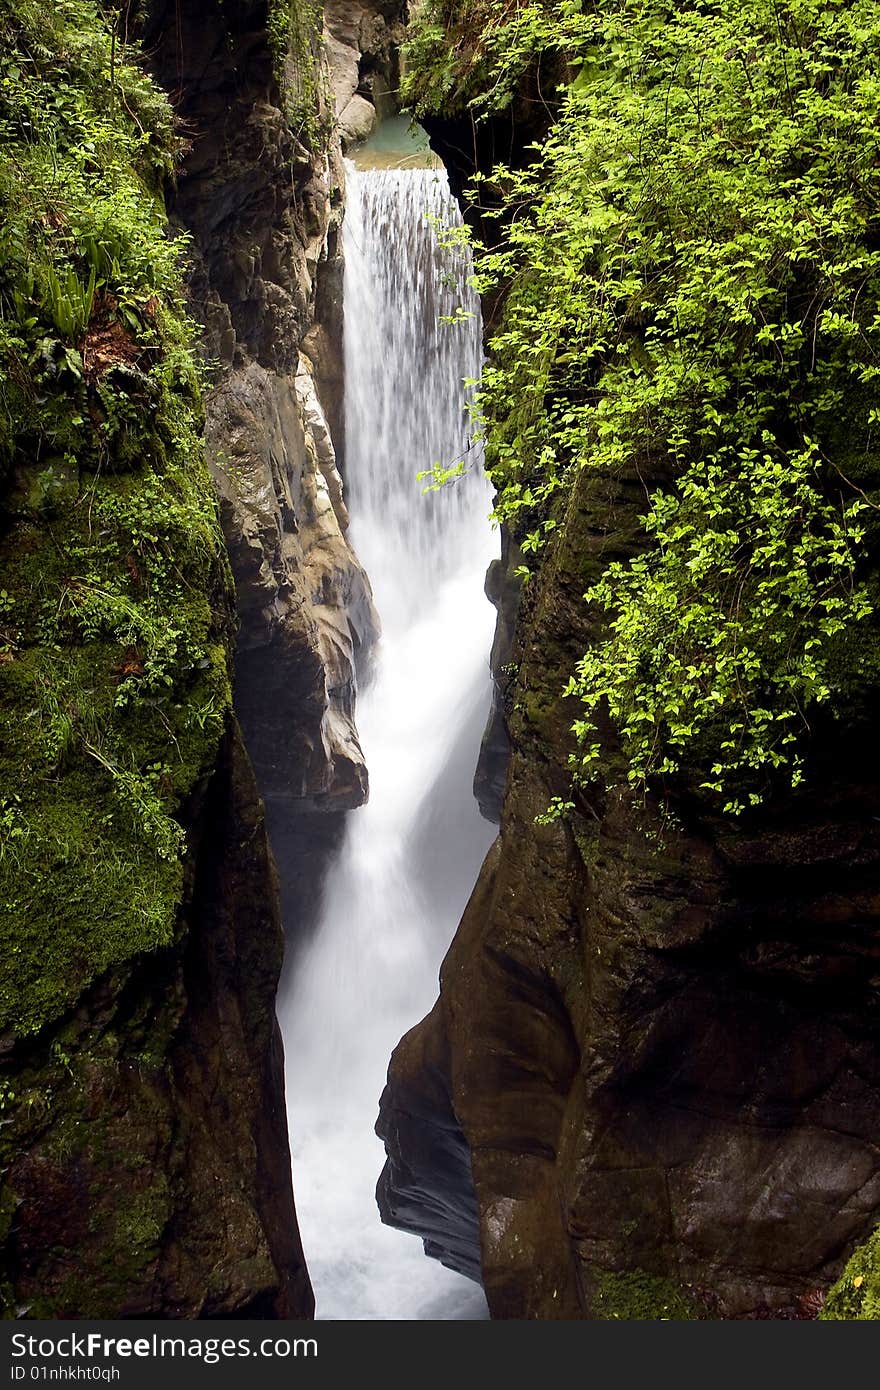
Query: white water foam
(409, 858)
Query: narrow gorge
(443, 559)
(409, 859)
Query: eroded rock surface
(658, 1042)
(151, 1177)
(264, 210)
(362, 45)
(303, 600)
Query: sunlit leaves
(692, 275)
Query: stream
(410, 857)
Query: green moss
(587, 841)
(856, 1295)
(537, 706)
(116, 595)
(640, 1297)
(99, 1132)
(139, 1227)
(7, 1212)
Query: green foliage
(295, 37)
(473, 53)
(557, 810)
(440, 476)
(114, 603)
(718, 623)
(856, 1295)
(67, 301)
(692, 281)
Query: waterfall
(409, 858)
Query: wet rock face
(426, 1186)
(230, 979)
(249, 192)
(263, 211)
(503, 591)
(303, 600)
(362, 41)
(658, 1042)
(153, 1176)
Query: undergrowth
(691, 266)
(113, 578)
(295, 37)
(855, 1297)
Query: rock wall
(363, 41)
(655, 1043)
(262, 198)
(263, 209)
(149, 1173)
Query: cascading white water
(411, 856)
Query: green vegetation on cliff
(692, 273)
(856, 1295)
(113, 581)
(295, 31)
(474, 53)
(640, 1297)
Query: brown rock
(304, 602)
(149, 1173)
(658, 1043)
(362, 42)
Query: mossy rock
(116, 596)
(636, 1296)
(856, 1295)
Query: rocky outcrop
(306, 616)
(148, 1172)
(263, 204)
(145, 1160)
(303, 600)
(426, 1186)
(658, 1041)
(363, 41)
